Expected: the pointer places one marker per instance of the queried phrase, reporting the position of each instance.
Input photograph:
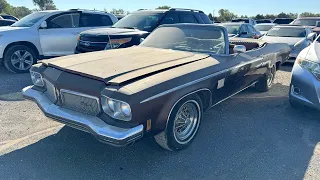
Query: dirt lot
(250, 136)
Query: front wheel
(183, 124)
(19, 58)
(266, 82)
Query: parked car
(120, 16)
(136, 26)
(46, 34)
(5, 22)
(283, 20)
(242, 30)
(304, 87)
(159, 88)
(297, 37)
(263, 28)
(312, 22)
(260, 21)
(8, 17)
(245, 20)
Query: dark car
(8, 17)
(245, 20)
(283, 20)
(260, 21)
(312, 22)
(159, 88)
(5, 22)
(120, 16)
(242, 30)
(133, 28)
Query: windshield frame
(196, 27)
(41, 15)
(160, 15)
(268, 34)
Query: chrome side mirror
(239, 49)
(43, 25)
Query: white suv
(46, 34)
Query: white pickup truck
(46, 34)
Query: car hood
(10, 28)
(313, 53)
(122, 65)
(111, 31)
(289, 40)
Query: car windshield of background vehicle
(30, 20)
(209, 40)
(306, 22)
(282, 21)
(263, 27)
(232, 29)
(143, 22)
(241, 20)
(287, 32)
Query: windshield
(241, 20)
(282, 21)
(232, 28)
(30, 20)
(287, 32)
(209, 40)
(306, 22)
(144, 22)
(263, 27)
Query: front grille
(50, 91)
(84, 46)
(104, 39)
(80, 102)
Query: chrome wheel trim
(21, 60)
(186, 122)
(270, 77)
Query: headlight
(116, 109)
(115, 43)
(37, 79)
(313, 67)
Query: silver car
(297, 37)
(305, 82)
(264, 27)
(46, 34)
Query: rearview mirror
(239, 49)
(43, 25)
(311, 36)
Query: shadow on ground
(242, 138)
(12, 84)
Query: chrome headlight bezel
(116, 109)
(311, 66)
(37, 78)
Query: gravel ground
(250, 136)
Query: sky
(239, 7)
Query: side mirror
(311, 36)
(43, 25)
(239, 49)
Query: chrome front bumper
(308, 85)
(102, 131)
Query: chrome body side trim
(98, 128)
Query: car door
(60, 36)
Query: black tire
(10, 53)
(168, 138)
(265, 83)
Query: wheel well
(278, 64)
(25, 43)
(205, 96)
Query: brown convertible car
(160, 88)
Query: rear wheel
(19, 58)
(183, 124)
(266, 82)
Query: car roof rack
(184, 9)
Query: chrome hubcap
(187, 121)
(21, 60)
(270, 77)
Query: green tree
(163, 7)
(309, 14)
(45, 4)
(119, 11)
(259, 16)
(210, 16)
(20, 11)
(225, 15)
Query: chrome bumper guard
(102, 131)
